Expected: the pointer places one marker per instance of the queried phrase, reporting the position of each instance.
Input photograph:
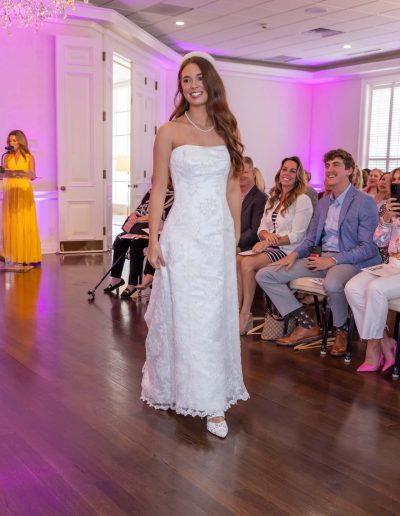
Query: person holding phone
(392, 192)
(21, 241)
(343, 226)
(369, 295)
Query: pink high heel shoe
(365, 367)
(389, 363)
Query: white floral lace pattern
(193, 362)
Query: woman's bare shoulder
(171, 128)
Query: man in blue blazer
(342, 229)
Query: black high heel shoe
(111, 288)
(127, 293)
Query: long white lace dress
(193, 361)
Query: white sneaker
(218, 429)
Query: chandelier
(32, 13)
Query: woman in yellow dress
(21, 241)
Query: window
(383, 149)
(121, 134)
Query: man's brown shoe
(299, 335)
(340, 344)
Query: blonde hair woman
(259, 180)
(287, 215)
(21, 241)
(358, 180)
(373, 180)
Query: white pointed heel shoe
(219, 429)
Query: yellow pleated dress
(21, 240)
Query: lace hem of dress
(192, 412)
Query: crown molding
(115, 22)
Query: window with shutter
(384, 127)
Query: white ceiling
(271, 30)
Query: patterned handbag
(276, 326)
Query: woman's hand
(392, 208)
(259, 247)
(132, 219)
(272, 239)
(154, 255)
(237, 237)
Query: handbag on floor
(276, 326)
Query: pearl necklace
(196, 126)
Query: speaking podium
(5, 172)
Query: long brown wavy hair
(217, 109)
(300, 185)
(21, 139)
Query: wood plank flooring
(314, 439)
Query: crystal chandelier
(31, 13)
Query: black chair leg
(325, 327)
(317, 312)
(395, 373)
(347, 358)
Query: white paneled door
(145, 123)
(79, 73)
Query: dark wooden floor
(315, 438)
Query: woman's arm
(161, 157)
(300, 221)
(383, 234)
(235, 202)
(262, 231)
(31, 173)
(142, 218)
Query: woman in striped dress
(284, 224)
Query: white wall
(273, 118)
(335, 121)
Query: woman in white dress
(193, 362)
(369, 295)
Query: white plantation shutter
(384, 128)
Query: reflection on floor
(75, 439)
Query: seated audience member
(396, 175)
(310, 191)
(326, 192)
(285, 221)
(342, 228)
(260, 183)
(368, 296)
(372, 183)
(383, 193)
(148, 276)
(365, 174)
(134, 224)
(253, 202)
(395, 180)
(358, 181)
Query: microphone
(8, 148)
